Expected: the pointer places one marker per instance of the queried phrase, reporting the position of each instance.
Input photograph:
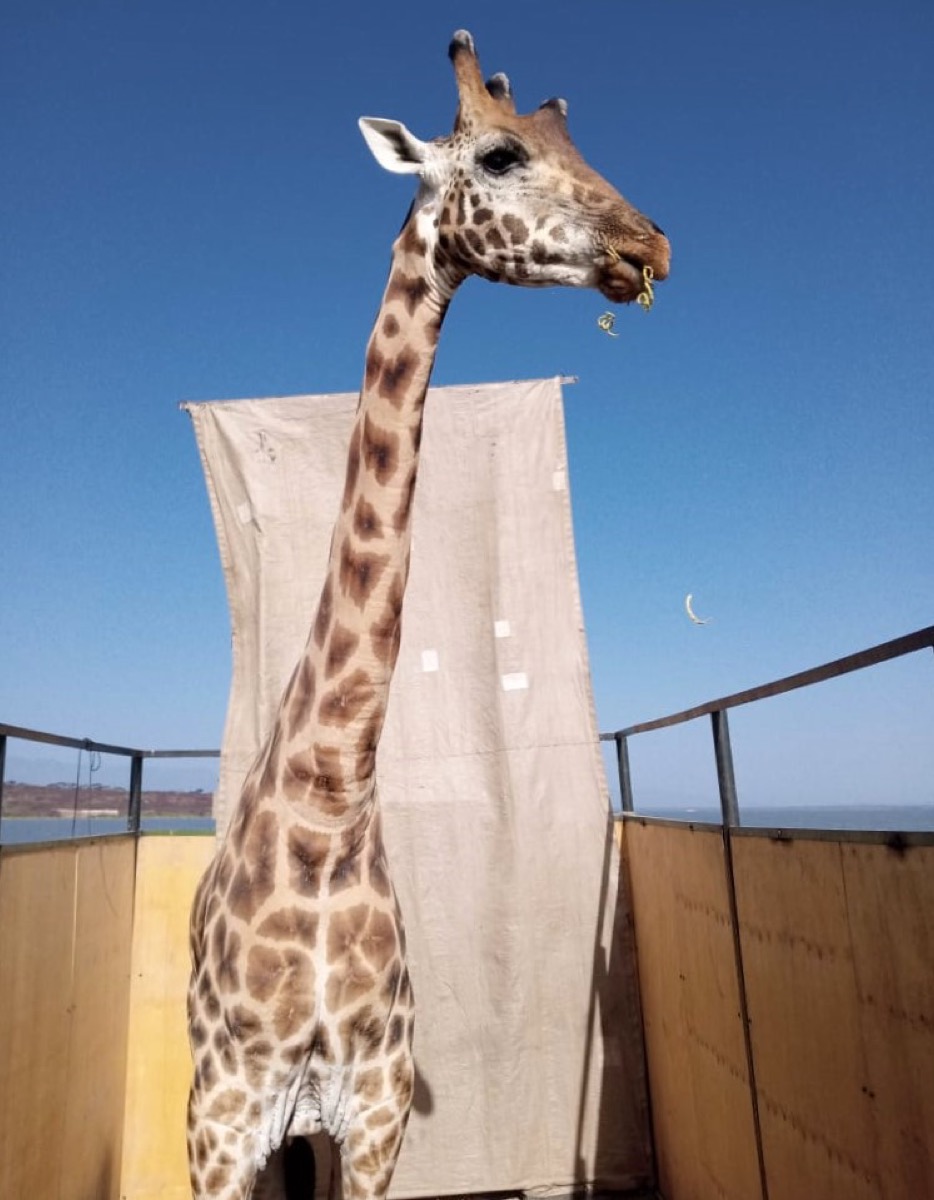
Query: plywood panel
(890, 903)
(65, 920)
(37, 911)
(158, 1063)
(94, 1086)
(815, 1112)
(701, 1105)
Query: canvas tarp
(528, 1036)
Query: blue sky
(187, 211)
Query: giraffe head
(510, 198)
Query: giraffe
(300, 1006)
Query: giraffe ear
(393, 147)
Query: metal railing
(717, 711)
(88, 745)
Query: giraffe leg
(221, 1157)
(367, 1164)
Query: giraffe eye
(500, 160)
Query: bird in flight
(692, 614)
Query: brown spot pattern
(341, 646)
(347, 872)
(347, 700)
(255, 877)
(316, 773)
(216, 1178)
(362, 1033)
(267, 782)
(378, 871)
(374, 364)
(516, 228)
(302, 696)
(284, 980)
(541, 254)
(242, 1023)
(225, 954)
(366, 748)
(323, 616)
(360, 573)
(402, 1080)
(226, 1104)
(397, 375)
(243, 815)
(395, 1033)
(401, 516)
(225, 1051)
(361, 942)
(412, 242)
(290, 924)
(410, 289)
(366, 521)
(308, 852)
(378, 1153)
(256, 1062)
(353, 471)
(321, 1044)
(370, 1084)
(384, 632)
(475, 241)
(380, 451)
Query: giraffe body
(300, 1004)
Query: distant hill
(58, 800)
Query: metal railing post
(726, 780)
(2, 768)
(625, 779)
(135, 805)
(729, 807)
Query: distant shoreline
(63, 801)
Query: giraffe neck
(323, 745)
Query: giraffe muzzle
(621, 277)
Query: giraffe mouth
(620, 277)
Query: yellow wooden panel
(37, 910)
(155, 1165)
(675, 1130)
(890, 904)
(96, 1076)
(701, 1103)
(812, 1080)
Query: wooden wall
(838, 948)
(698, 1085)
(837, 955)
(837, 952)
(65, 926)
(155, 1165)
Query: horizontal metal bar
(69, 743)
(54, 739)
(840, 666)
(180, 753)
(671, 822)
(895, 839)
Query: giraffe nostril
(658, 229)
